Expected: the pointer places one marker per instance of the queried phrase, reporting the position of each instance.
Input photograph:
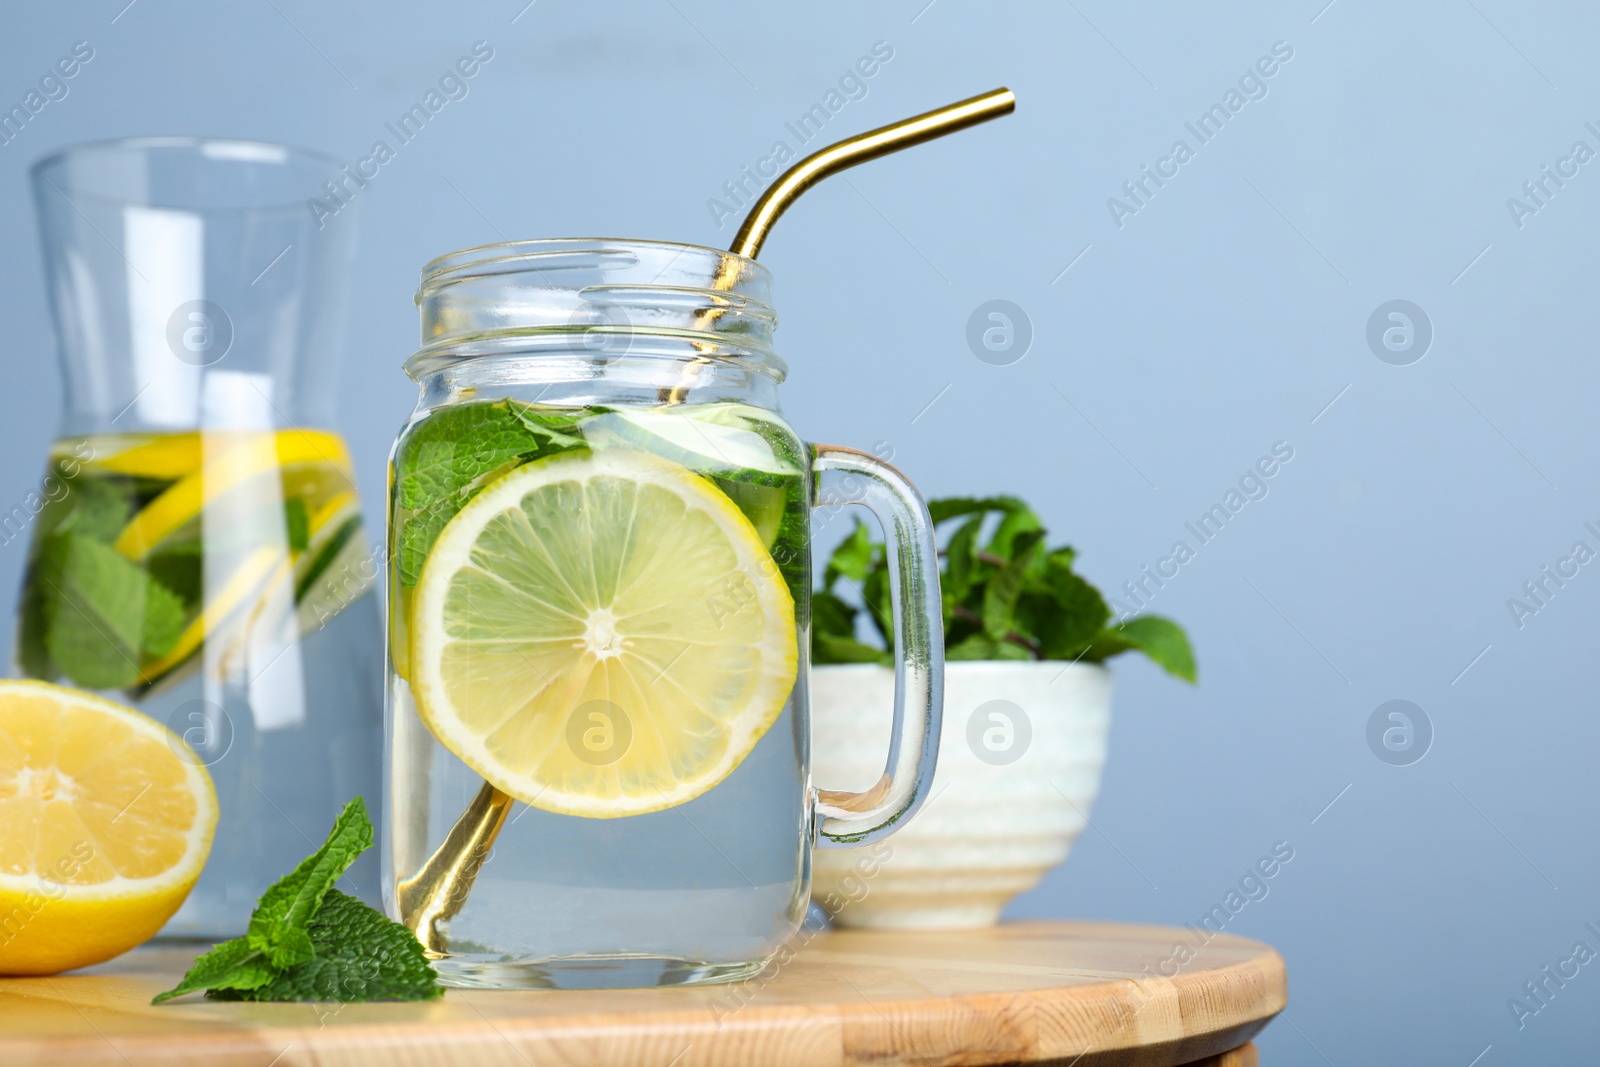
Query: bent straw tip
(1001, 101)
(860, 148)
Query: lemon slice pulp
(304, 459)
(601, 634)
(106, 819)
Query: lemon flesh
(106, 819)
(601, 634)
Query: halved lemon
(601, 634)
(106, 819)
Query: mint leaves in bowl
(1027, 704)
(1006, 596)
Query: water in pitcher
(661, 831)
(219, 582)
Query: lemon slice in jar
(601, 634)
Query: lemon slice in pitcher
(306, 461)
(601, 634)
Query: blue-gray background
(1226, 315)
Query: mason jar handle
(846, 819)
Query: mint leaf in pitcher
(102, 613)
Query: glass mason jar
(197, 548)
(599, 619)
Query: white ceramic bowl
(1020, 757)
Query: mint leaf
(556, 427)
(960, 563)
(308, 941)
(98, 507)
(831, 616)
(852, 558)
(103, 612)
(1159, 638)
(297, 524)
(448, 457)
(833, 633)
(1069, 612)
(231, 965)
(956, 506)
(1000, 598)
(278, 925)
(314, 569)
(359, 954)
(1009, 600)
(830, 648)
(875, 595)
(979, 647)
(33, 615)
(455, 446)
(1016, 522)
(181, 568)
(163, 619)
(1062, 557)
(451, 447)
(975, 647)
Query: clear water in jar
(700, 890)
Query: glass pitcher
(599, 622)
(198, 549)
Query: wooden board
(1244, 1056)
(1022, 992)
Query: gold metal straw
(811, 170)
(439, 889)
(858, 149)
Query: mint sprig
(453, 453)
(308, 941)
(358, 955)
(233, 964)
(1005, 598)
(278, 925)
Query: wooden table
(1020, 993)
